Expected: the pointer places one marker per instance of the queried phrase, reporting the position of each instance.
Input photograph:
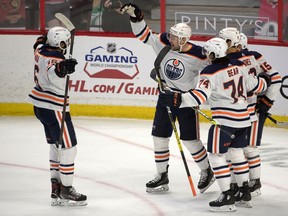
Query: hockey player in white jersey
(256, 64)
(225, 84)
(179, 71)
(233, 38)
(263, 103)
(50, 69)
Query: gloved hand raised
(263, 104)
(136, 15)
(173, 98)
(65, 67)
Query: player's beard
(175, 47)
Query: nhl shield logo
(111, 47)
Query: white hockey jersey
(179, 70)
(225, 86)
(50, 89)
(253, 67)
(256, 64)
(276, 78)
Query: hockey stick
(157, 63)
(153, 75)
(278, 123)
(232, 136)
(69, 25)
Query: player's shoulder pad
(196, 50)
(164, 39)
(236, 62)
(212, 69)
(235, 55)
(45, 51)
(256, 54)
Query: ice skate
(234, 187)
(69, 196)
(55, 185)
(254, 187)
(206, 179)
(225, 203)
(243, 196)
(159, 183)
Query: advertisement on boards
(114, 68)
(110, 71)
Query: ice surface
(115, 160)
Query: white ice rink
(115, 159)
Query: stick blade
(282, 124)
(69, 25)
(278, 123)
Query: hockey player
(180, 71)
(50, 69)
(225, 84)
(263, 103)
(233, 37)
(256, 64)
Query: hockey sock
(233, 180)
(198, 152)
(161, 153)
(54, 164)
(239, 164)
(66, 166)
(221, 170)
(254, 161)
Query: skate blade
(225, 208)
(54, 202)
(159, 189)
(256, 193)
(244, 204)
(63, 202)
(210, 183)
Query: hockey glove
(40, 40)
(173, 98)
(266, 77)
(136, 15)
(263, 104)
(65, 67)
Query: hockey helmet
(230, 34)
(243, 41)
(59, 37)
(216, 46)
(181, 30)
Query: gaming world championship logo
(111, 63)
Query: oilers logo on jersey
(174, 69)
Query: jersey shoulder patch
(256, 54)
(235, 55)
(236, 62)
(212, 69)
(47, 52)
(164, 39)
(196, 51)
